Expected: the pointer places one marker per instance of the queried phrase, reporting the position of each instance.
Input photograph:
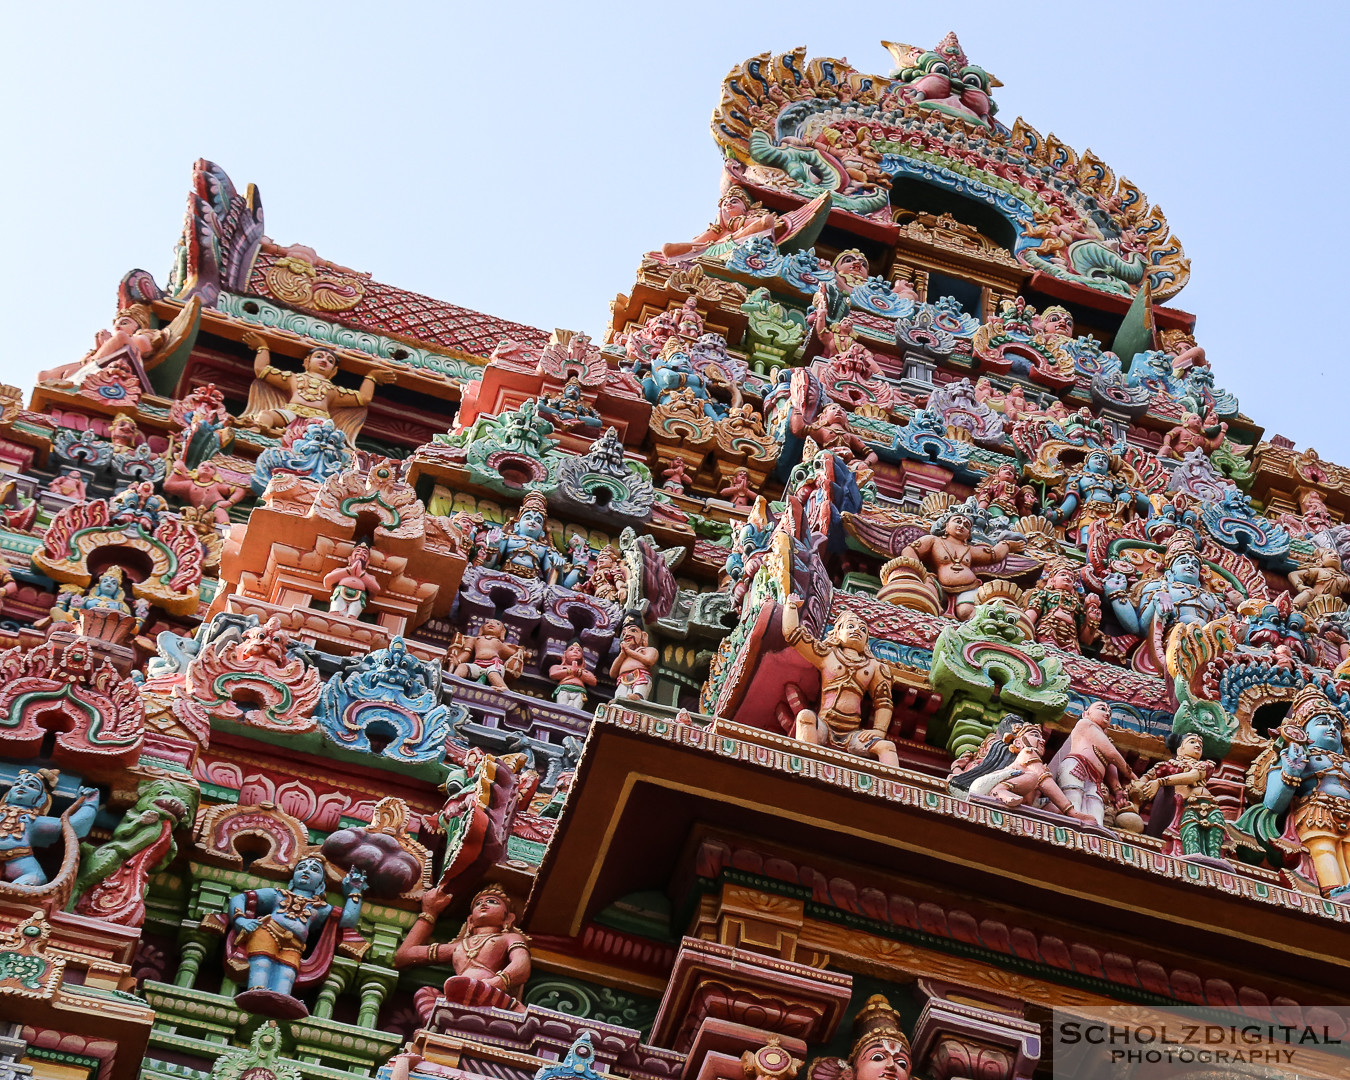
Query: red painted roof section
(385, 309)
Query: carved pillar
(193, 948)
(375, 984)
(737, 999)
(958, 1039)
(339, 978)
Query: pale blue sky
(519, 158)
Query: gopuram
(888, 634)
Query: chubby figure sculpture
(573, 676)
(204, 487)
(1009, 767)
(632, 668)
(275, 929)
(1193, 433)
(488, 657)
(849, 675)
(25, 825)
(490, 956)
(1304, 777)
(353, 585)
(1328, 578)
(278, 397)
(1089, 762)
(1184, 811)
(948, 555)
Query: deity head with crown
(525, 548)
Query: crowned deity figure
(880, 1048)
(1328, 578)
(1060, 610)
(524, 548)
(849, 675)
(1184, 811)
(286, 935)
(490, 956)
(1303, 782)
(277, 397)
(1178, 595)
(26, 825)
(1097, 492)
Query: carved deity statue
(880, 1049)
(490, 956)
(849, 674)
(204, 488)
(285, 932)
(738, 218)
(1193, 433)
(1096, 492)
(25, 826)
(113, 876)
(1178, 595)
(1303, 781)
(1060, 610)
(525, 548)
(277, 397)
(1183, 811)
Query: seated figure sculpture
(849, 673)
(1009, 767)
(948, 555)
(487, 656)
(490, 956)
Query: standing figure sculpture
(1184, 811)
(1177, 596)
(632, 668)
(277, 397)
(287, 935)
(1096, 493)
(352, 585)
(490, 956)
(573, 676)
(1061, 611)
(849, 674)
